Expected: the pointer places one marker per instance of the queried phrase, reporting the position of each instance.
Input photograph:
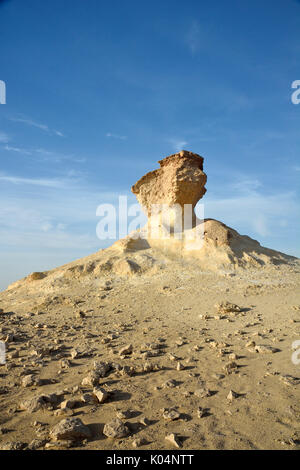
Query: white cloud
(10, 148)
(31, 123)
(255, 213)
(177, 144)
(60, 134)
(46, 182)
(116, 136)
(4, 138)
(247, 185)
(45, 154)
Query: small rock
(70, 429)
(100, 394)
(116, 429)
(37, 444)
(232, 395)
(173, 440)
(138, 442)
(180, 366)
(68, 404)
(170, 383)
(230, 367)
(203, 392)
(15, 445)
(126, 350)
(30, 381)
(170, 414)
(87, 398)
(90, 380)
(265, 349)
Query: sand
(181, 347)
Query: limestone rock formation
(179, 180)
(174, 229)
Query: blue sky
(98, 91)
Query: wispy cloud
(45, 154)
(59, 133)
(177, 144)
(192, 38)
(4, 138)
(252, 211)
(116, 136)
(52, 223)
(32, 123)
(247, 186)
(10, 148)
(45, 182)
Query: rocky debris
(70, 429)
(128, 371)
(91, 379)
(65, 411)
(202, 412)
(116, 429)
(251, 345)
(203, 392)
(30, 381)
(171, 414)
(80, 314)
(173, 439)
(75, 354)
(65, 364)
(172, 357)
(180, 366)
(170, 383)
(227, 307)
(101, 368)
(69, 404)
(123, 414)
(38, 402)
(289, 380)
(100, 394)
(126, 350)
(37, 444)
(149, 367)
(218, 376)
(230, 367)
(34, 404)
(60, 445)
(232, 395)
(144, 421)
(138, 442)
(265, 349)
(14, 445)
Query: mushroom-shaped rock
(179, 181)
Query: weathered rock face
(179, 180)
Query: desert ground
(156, 343)
(163, 356)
